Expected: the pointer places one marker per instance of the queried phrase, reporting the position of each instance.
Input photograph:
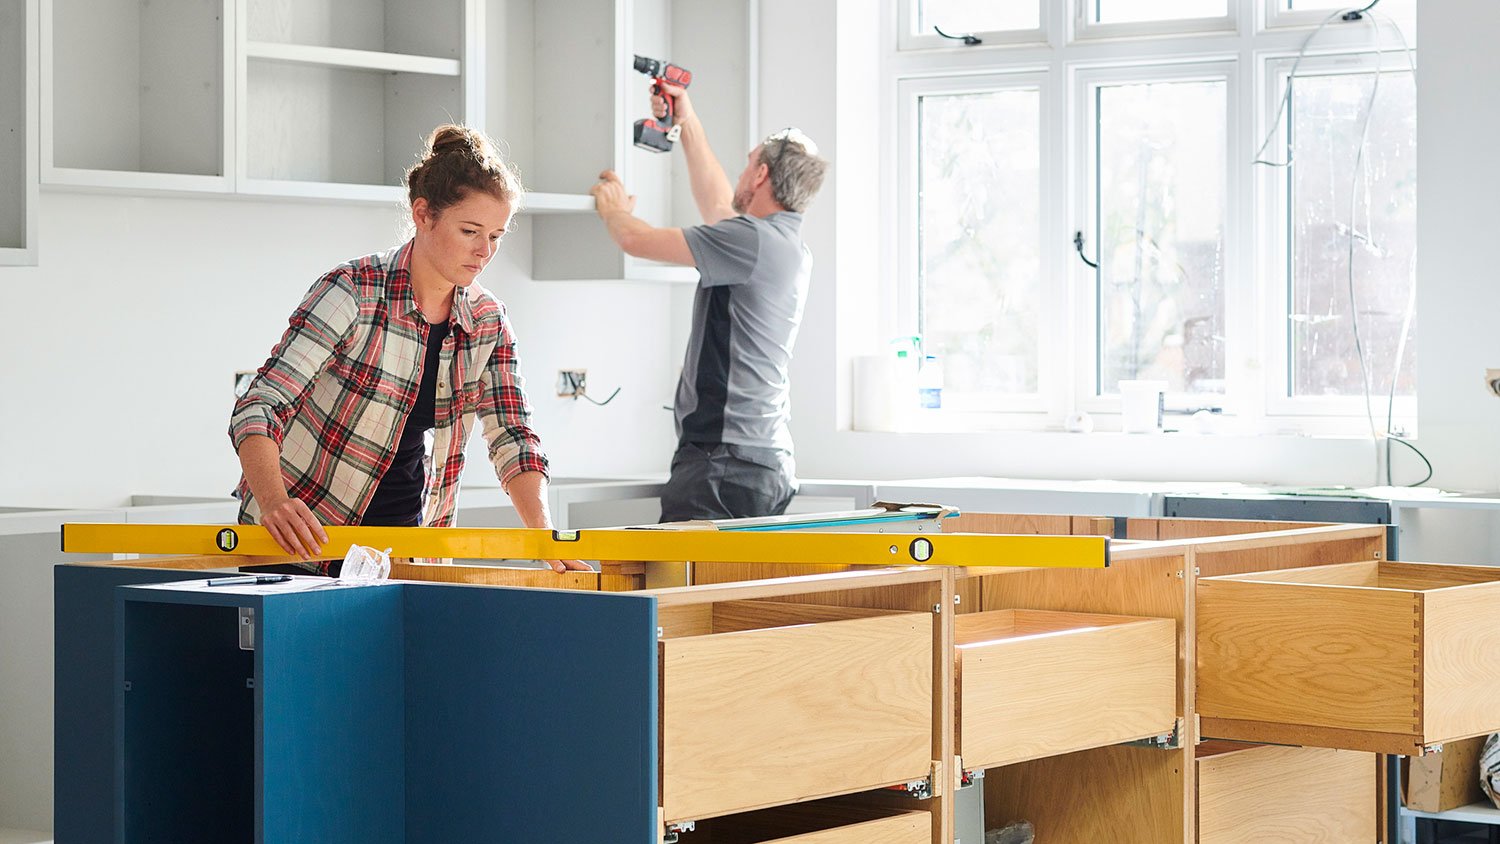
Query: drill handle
(659, 89)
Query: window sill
(1174, 425)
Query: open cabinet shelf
(18, 127)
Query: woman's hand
(561, 566)
(294, 527)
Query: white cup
(1141, 406)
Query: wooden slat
(685, 620)
(1271, 557)
(1286, 794)
(765, 717)
(823, 822)
(1304, 735)
(1093, 526)
(1120, 795)
(1010, 523)
(496, 576)
(1045, 689)
(740, 572)
(1318, 655)
(734, 616)
(1197, 528)
(1461, 662)
(1316, 538)
(833, 585)
(1366, 574)
(1434, 575)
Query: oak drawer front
(1034, 684)
(818, 824)
(764, 717)
(1287, 794)
(1379, 656)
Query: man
(734, 444)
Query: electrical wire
(1286, 97)
(599, 403)
(1355, 14)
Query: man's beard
(741, 201)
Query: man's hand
(294, 527)
(683, 105)
(561, 566)
(610, 196)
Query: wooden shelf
(351, 59)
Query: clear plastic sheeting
(1326, 114)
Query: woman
(384, 349)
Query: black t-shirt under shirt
(398, 499)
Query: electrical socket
(571, 382)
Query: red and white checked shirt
(337, 389)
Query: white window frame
(1254, 303)
(910, 38)
(1082, 278)
(1271, 188)
(1085, 28)
(1052, 301)
(1276, 17)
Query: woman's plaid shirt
(339, 386)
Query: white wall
(806, 69)
(116, 360)
(1458, 298)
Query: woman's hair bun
(457, 161)
(449, 138)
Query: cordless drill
(653, 133)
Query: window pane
(1136, 11)
(979, 213)
(956, 17)
(1326, 113)
(1161, 199)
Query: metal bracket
(671, 834)
(969, 778)
(1432, 748)
(918, 789)
(1165, 741)
(247, 628)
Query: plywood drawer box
(817, 823)
(1380, 656)
(1036, 683)
(1251, 794)
(773, 703)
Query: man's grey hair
(796, 171)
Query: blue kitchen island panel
(531, 715)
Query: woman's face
(461, 240)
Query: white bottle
(930, 384)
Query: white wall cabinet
(333, 99)
(584, 97)
(337, 97)
(18, 131)
(134, 94)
